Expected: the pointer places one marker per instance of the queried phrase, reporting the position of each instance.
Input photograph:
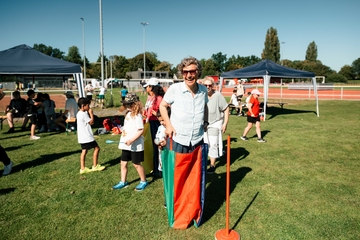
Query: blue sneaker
(120, 185)
(142, 185)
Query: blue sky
(185, 28)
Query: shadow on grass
(43, 159)
(247, 208)
(10, 135)
(263, 134)
(6, 191)
(235, 154)
(18, 147)
(275, 111)
(216, 191)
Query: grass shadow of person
(43, 159)
(216, 190)
(275, 111)
(6, 191)
(263, 134)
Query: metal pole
(101, 44)
(282, 62)
(144, 24)
(83, 33)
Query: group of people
(40, 110)
(199, 116)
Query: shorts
(89, 145)
(253, 119)
(89, 97)
(213, 142)
(134, 157)
(33, 118)
(101, 97)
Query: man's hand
(170, 131)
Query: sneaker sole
(119, 188)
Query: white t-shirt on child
(131, 126)
(234, 100)
(84, 131)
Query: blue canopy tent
(24, 60)
(267, 69)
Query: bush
(335, 77)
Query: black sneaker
(211, 170)
(11, 130)
(244, 138)
(261, 140)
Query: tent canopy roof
(267, 67)
(24, 60)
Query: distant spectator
(71, 109)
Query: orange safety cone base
(227, 234)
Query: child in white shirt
(84, 120)
(132, 142)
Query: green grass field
(303, 183)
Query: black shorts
(89, 145)
(253, 119)
(89, 97)
(134, 157)
(33, 118)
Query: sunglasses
(208, 85)
(192, 72)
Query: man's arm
(164, 114)
(226, 120)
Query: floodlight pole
(83, 33)
(101, 44)
(144, 25)
(282, 62)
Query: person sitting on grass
(84, 120)
(16, 109)
(71, 109)
(132, 142)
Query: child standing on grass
(84, 120)
(160, 137)
(32, 113)
(132, 142)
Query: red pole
(228, 184)
(224, 234)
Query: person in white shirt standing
(102, 96)
(84, 120)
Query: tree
(311, 52)
(52, 52)
(137, 62)
(336, 78)
(219, 61)
(356, 68)
(209, 68)
(272, 46)
(347, 71)
(163, 66)
(121, 66)
(74, 55)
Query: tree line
(215, 65)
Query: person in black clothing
(32, 112)
(3, 156)
(16, 108)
